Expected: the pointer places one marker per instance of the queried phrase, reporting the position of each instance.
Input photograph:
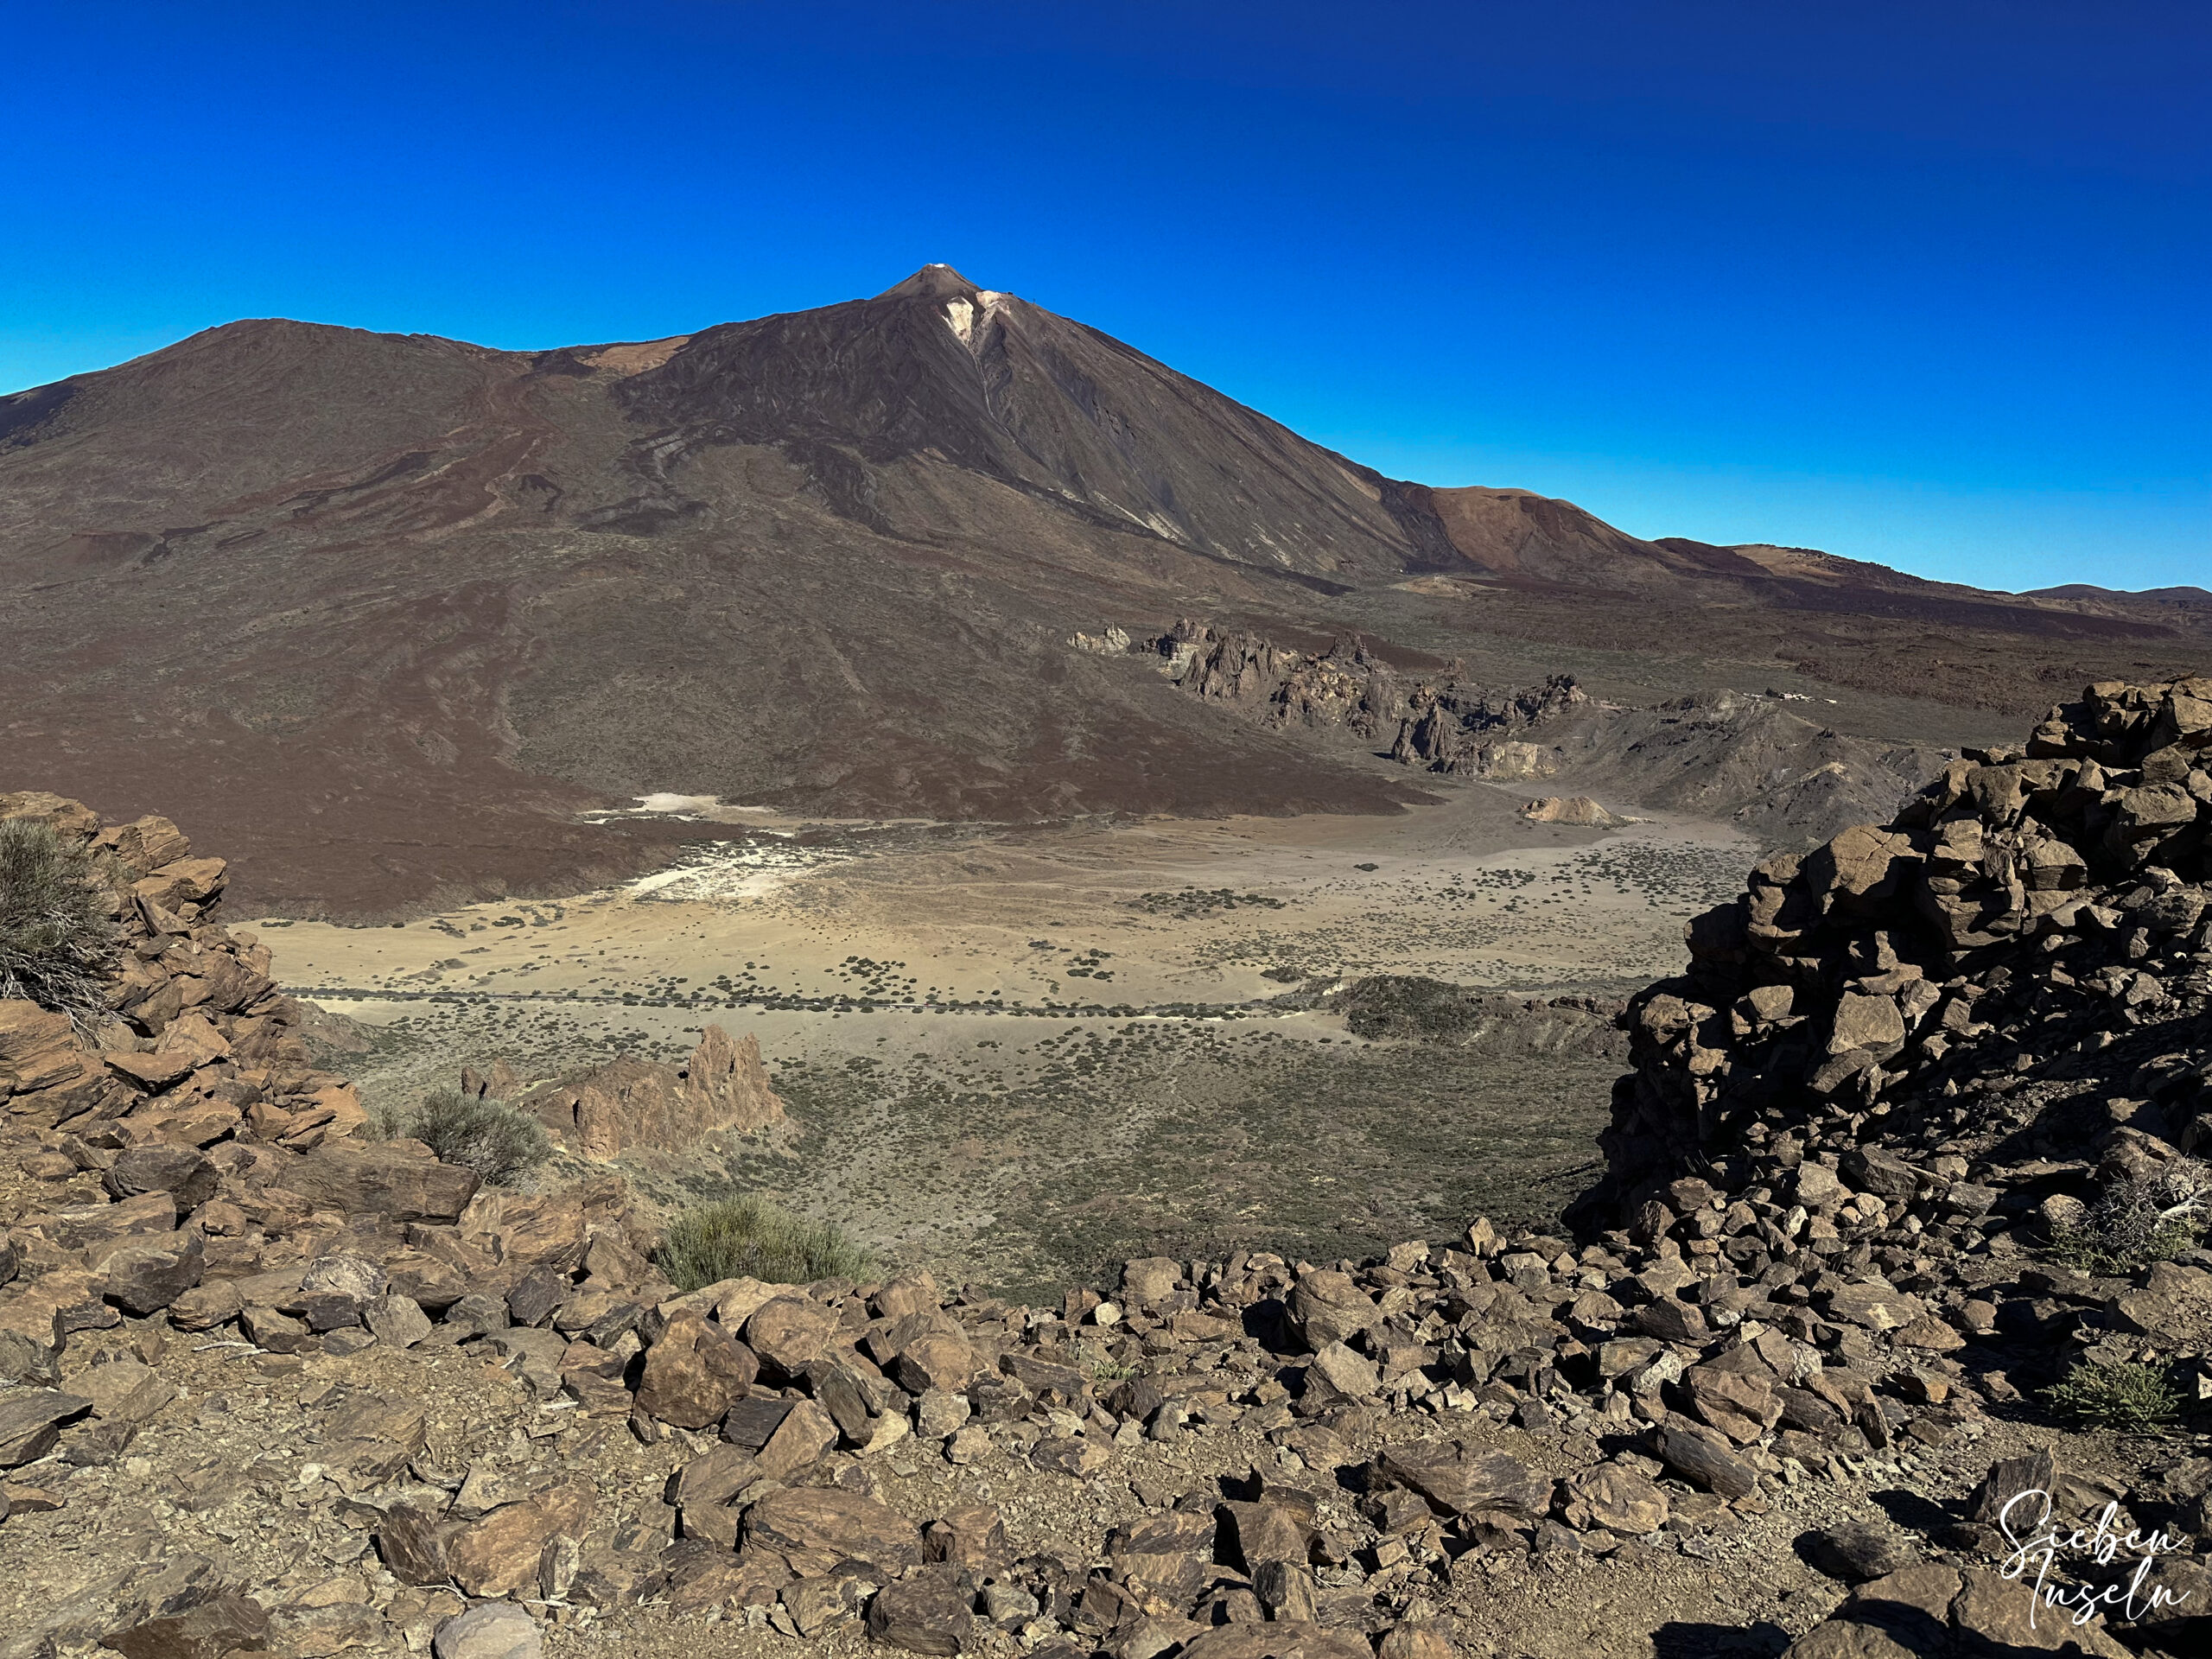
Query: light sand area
(1134, 915)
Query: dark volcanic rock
(1856, 1552)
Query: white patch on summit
(962, 316)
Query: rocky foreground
(277, 1387)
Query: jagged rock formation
(1453, 729)
(1726, 755)
(631, 1104)
(1345, 686)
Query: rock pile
(2022, 906)
(1930, 1046)
(1901, 1066)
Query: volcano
(385, 613)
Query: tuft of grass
(751, 1236)
(497, 1140)
(59, 948)
(2130, 1398)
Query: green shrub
(2139, 1219)
(1101, 1365)
(2130, 1398)
(57, 947)
(2087, 1251)
(750, 1238)
(499, 1142)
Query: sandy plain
(1016, 1052)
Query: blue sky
(1923, 283)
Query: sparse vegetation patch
(2140, 1219)
(751, 1236)
(58, 945)
(1188, 904)
(497, 1140)
(2132, 1399)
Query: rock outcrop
(1345, 686)
(1753, 757)
(628, 1103)
(1577, 809)
(199, 1046)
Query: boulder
(38, 1048)
(123, 1390)
(815, 1528)
(411, 1542)
(1458, 1481)
(1619, 1499)
(1344, 1372)
(397, 1320)
(1870, 1169)
(1874, 1303)
(694, 1373)
(926, 1613)
(1865, 1021)
(1070, 1454)
(2022, 1478)
(206, 1305)
(1150, 1279)
(1742, 1405)
(944, 1362)
(971, 1537)
(384, 1180)
(183, 1173)
(499, 1554)
(2173, 1306)
(1327, 1307)
(788, 1333)
(1170, 1554)
(352, 1278)
(214, 1628)
(90, 1226)
(1266, 1532)
(1857, 1551)
(805, 1436)
(145, 1274)
(494, 1630)
(1703, 1459)
(30, 1422)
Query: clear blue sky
(1925, 283)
